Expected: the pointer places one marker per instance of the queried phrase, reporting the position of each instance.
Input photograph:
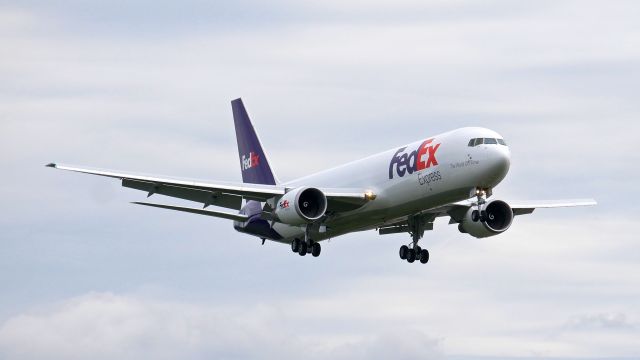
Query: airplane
(402, 190)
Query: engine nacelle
(499, 217)
(301, 206)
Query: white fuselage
(422, 175)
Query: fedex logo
(251, 161)
(284, 204)
(422, 158)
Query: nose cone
(498, 162)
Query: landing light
(369, 195)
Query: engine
(494, 218)
(301, 206)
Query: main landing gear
(302, 247)
(413, 252)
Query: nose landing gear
(480, 214)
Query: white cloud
(598, 321)
(108, 326)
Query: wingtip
(51, 165)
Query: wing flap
(219, 214)
(215, 198)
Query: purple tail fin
(253, 161)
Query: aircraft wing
(527, 207)
(228, 195)
(456, 211)
(518, 207)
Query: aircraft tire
(475, 216)
(295, 245)
(404, 249)
(417, 249)
(424, 256)
(411, 256)
(303, 249)
(315, 249)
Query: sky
(145, 86)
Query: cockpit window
(480, 141)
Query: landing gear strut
(413, 252)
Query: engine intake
(301, 205)
(498, 218)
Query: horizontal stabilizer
(220, 214)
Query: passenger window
(478, 142)
(471, 142)
(490, 141)
(501, 142)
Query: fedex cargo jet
(402, 190)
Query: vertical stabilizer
(253, 161)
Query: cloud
(109, 326)
(602, 321)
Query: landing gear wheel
(424, 256)
(404, 250)
(303, 249)
(483, 216)
(295, 245)
(417, 249)
(315, 249)
(475, 215)
(411, 256)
